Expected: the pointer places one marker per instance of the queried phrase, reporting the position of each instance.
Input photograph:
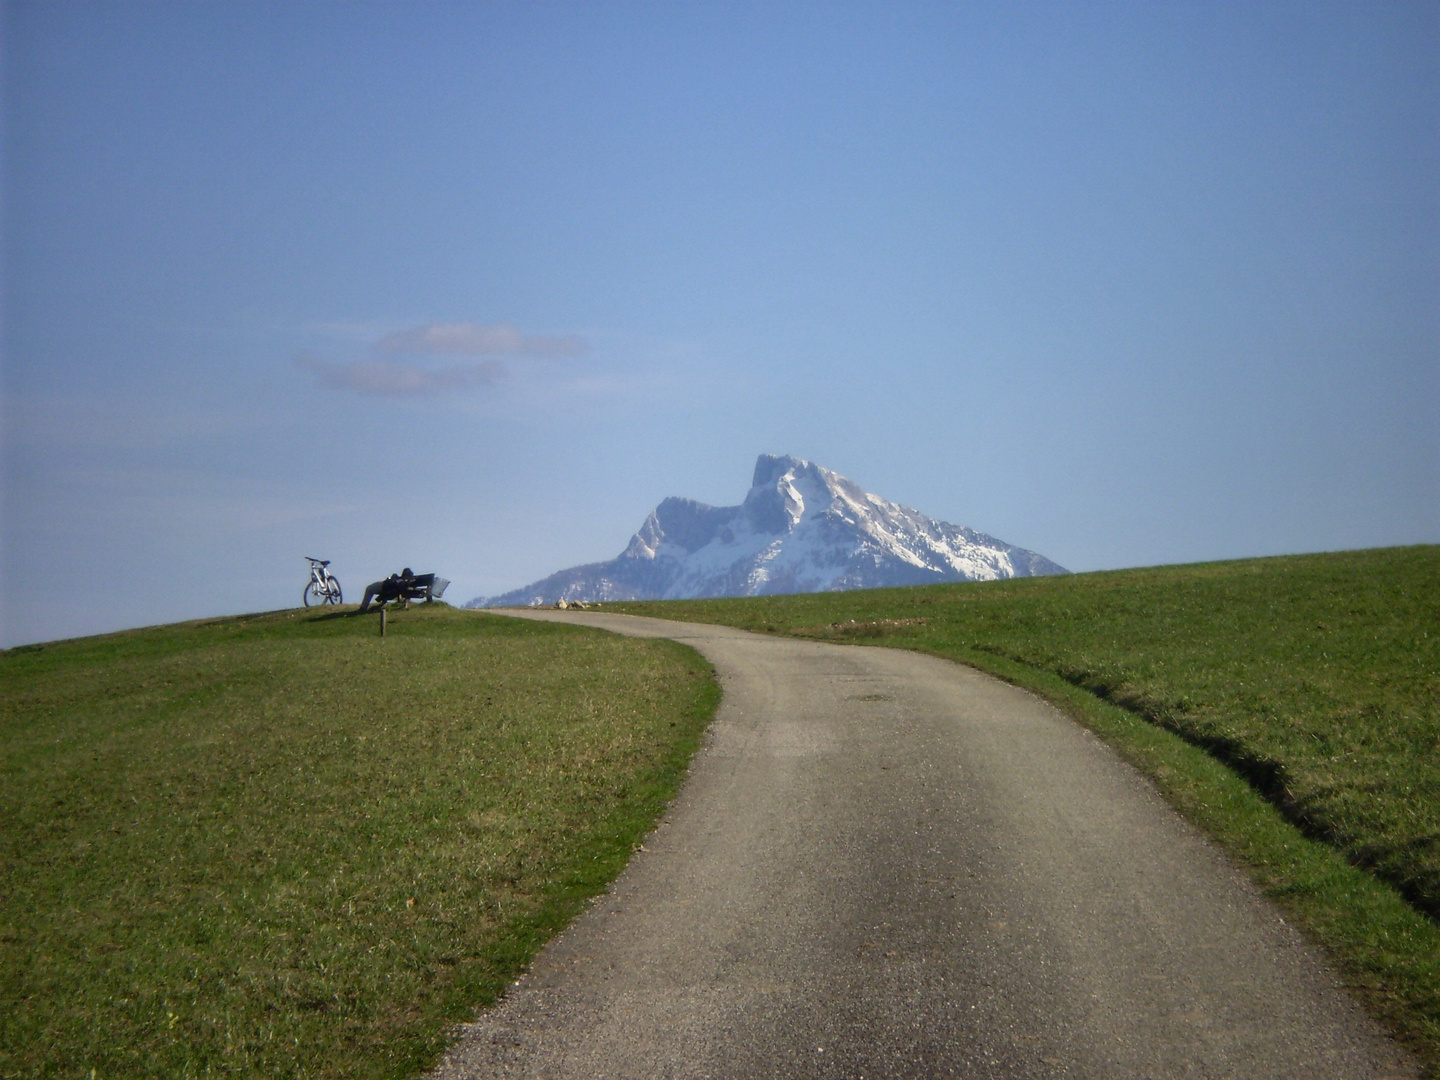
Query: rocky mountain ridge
(801, 528)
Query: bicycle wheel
(335, 597)
(315, 594)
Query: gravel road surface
(886, 865)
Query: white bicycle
(324, 587)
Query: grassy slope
(1315, 678)
(279, 845)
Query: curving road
(887, 865)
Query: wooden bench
(425, 587)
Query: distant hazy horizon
(471, 288)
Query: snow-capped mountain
(802, 528)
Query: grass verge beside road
(1290, 706)
(279, 845)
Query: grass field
(279, 845)
(1305, 688)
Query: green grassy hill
(1314, 679)
(278, 845)
(281, 846)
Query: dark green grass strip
(1289, 706)
(280, 846)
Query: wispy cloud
(387, 378)
(398, 363)
(477, 339)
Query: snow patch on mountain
(801, 528)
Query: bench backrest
(420, 587)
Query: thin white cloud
(477, 339)
(386, 378)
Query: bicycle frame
(324, 585)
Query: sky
(471, 287)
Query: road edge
(1377, 942)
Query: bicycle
(324, 587)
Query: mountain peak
(771, 467)
(801, 528)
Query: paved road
(886, 865)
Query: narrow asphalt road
(886, 865)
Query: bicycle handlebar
(322, 562)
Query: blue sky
(472, 287)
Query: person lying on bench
(392, 588)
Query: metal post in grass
(382, 622)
